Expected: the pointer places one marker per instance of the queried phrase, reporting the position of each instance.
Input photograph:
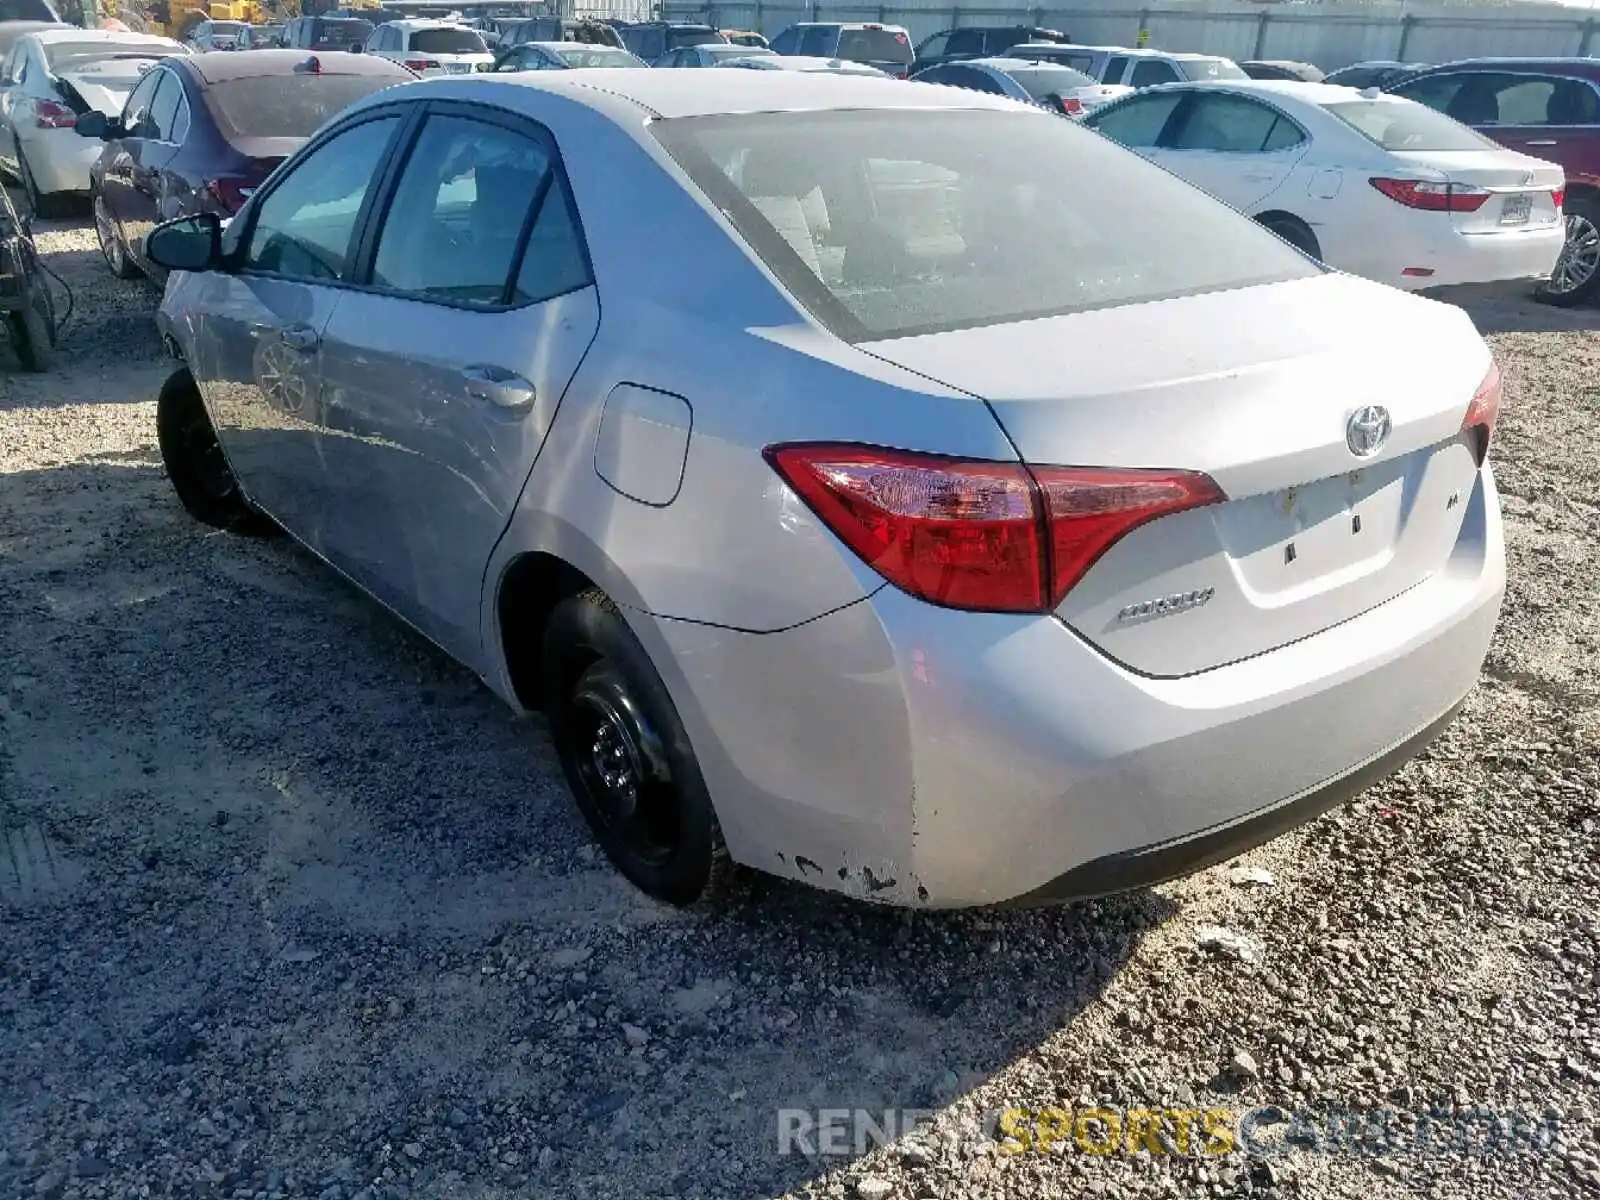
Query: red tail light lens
(1482, 413)
(1433, 197)
(231, 193)
(1090, 510)
(52, 114)
(994, 537)
(1559, 196)
(422, 64)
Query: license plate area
(1318, 535)
(1515, 209)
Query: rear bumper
(910, 754)
(60, 159)
(1489, 258)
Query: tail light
(1433, 197)
(1067, 106)
(52, 114)
(1482, 413)
(988, 536)
(231, 193)
(422, 64)
(1559, 196)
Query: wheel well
(1583, 191)
(1279, 217)
(529, 591)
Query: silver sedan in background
(888, 511)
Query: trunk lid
(1522, 187)
(103, 86)
(1256, 387)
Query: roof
(414, 24)
(847, 25)
(710, 93)
(1010, 62)
(215, 66)
(1289, 89)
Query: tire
(1297, 233)
(33, 335)
(1576, 277)
(40, 204)
(193, 457)
(111, 248)
(616, 732)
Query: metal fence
(1328, 35)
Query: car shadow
(1521, 313)
(331, 902)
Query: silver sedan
(886, 509)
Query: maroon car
(201, 132)
(1548, 108)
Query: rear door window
(784, 43)
(1116, 68)
(1138, 122)
(966, 41)
(1227, 125)
(818, 41)
(1148, 72)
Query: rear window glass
(1210, 68)
(447, 41)
(27, 10)
(678, 38)
(340, 33)
(228, 27)
(293, 106)
(891, 223)
(65, 56)
(875, 45)
(596, 56)
(1401, 125)
(1040, 82)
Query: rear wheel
(195, 463)
(33, 334)
(39, 203)
(1576, 276)
(626, 755)
(1294, 231)
(105, 229)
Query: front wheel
(1577, 272)
(626, 754)
(196, 465)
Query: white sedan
(47, 80)
(1372, 184)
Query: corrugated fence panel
(1329, 35)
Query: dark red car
(201, 132)
(1546, 107)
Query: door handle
(500, 388)
(299, 337)
(1543, 142)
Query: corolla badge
(1367, 430)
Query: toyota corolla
(930, 501)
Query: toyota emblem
(1367, 430)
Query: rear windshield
(448, 41)
(1210, 68)
(890, 223)
(226, 26)
(340, 33)
(27, 10)
(1040, 82)
(874, 46)
(1402, 125)
(292, 106)
(66, 56)
(577, 55)
(679, 38)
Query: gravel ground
(290, 906)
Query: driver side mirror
(187, 243)
(97, 125)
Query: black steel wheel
(33, 334)
(196, 464)
(626, 754)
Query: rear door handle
(498, 387)
(299, 337)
